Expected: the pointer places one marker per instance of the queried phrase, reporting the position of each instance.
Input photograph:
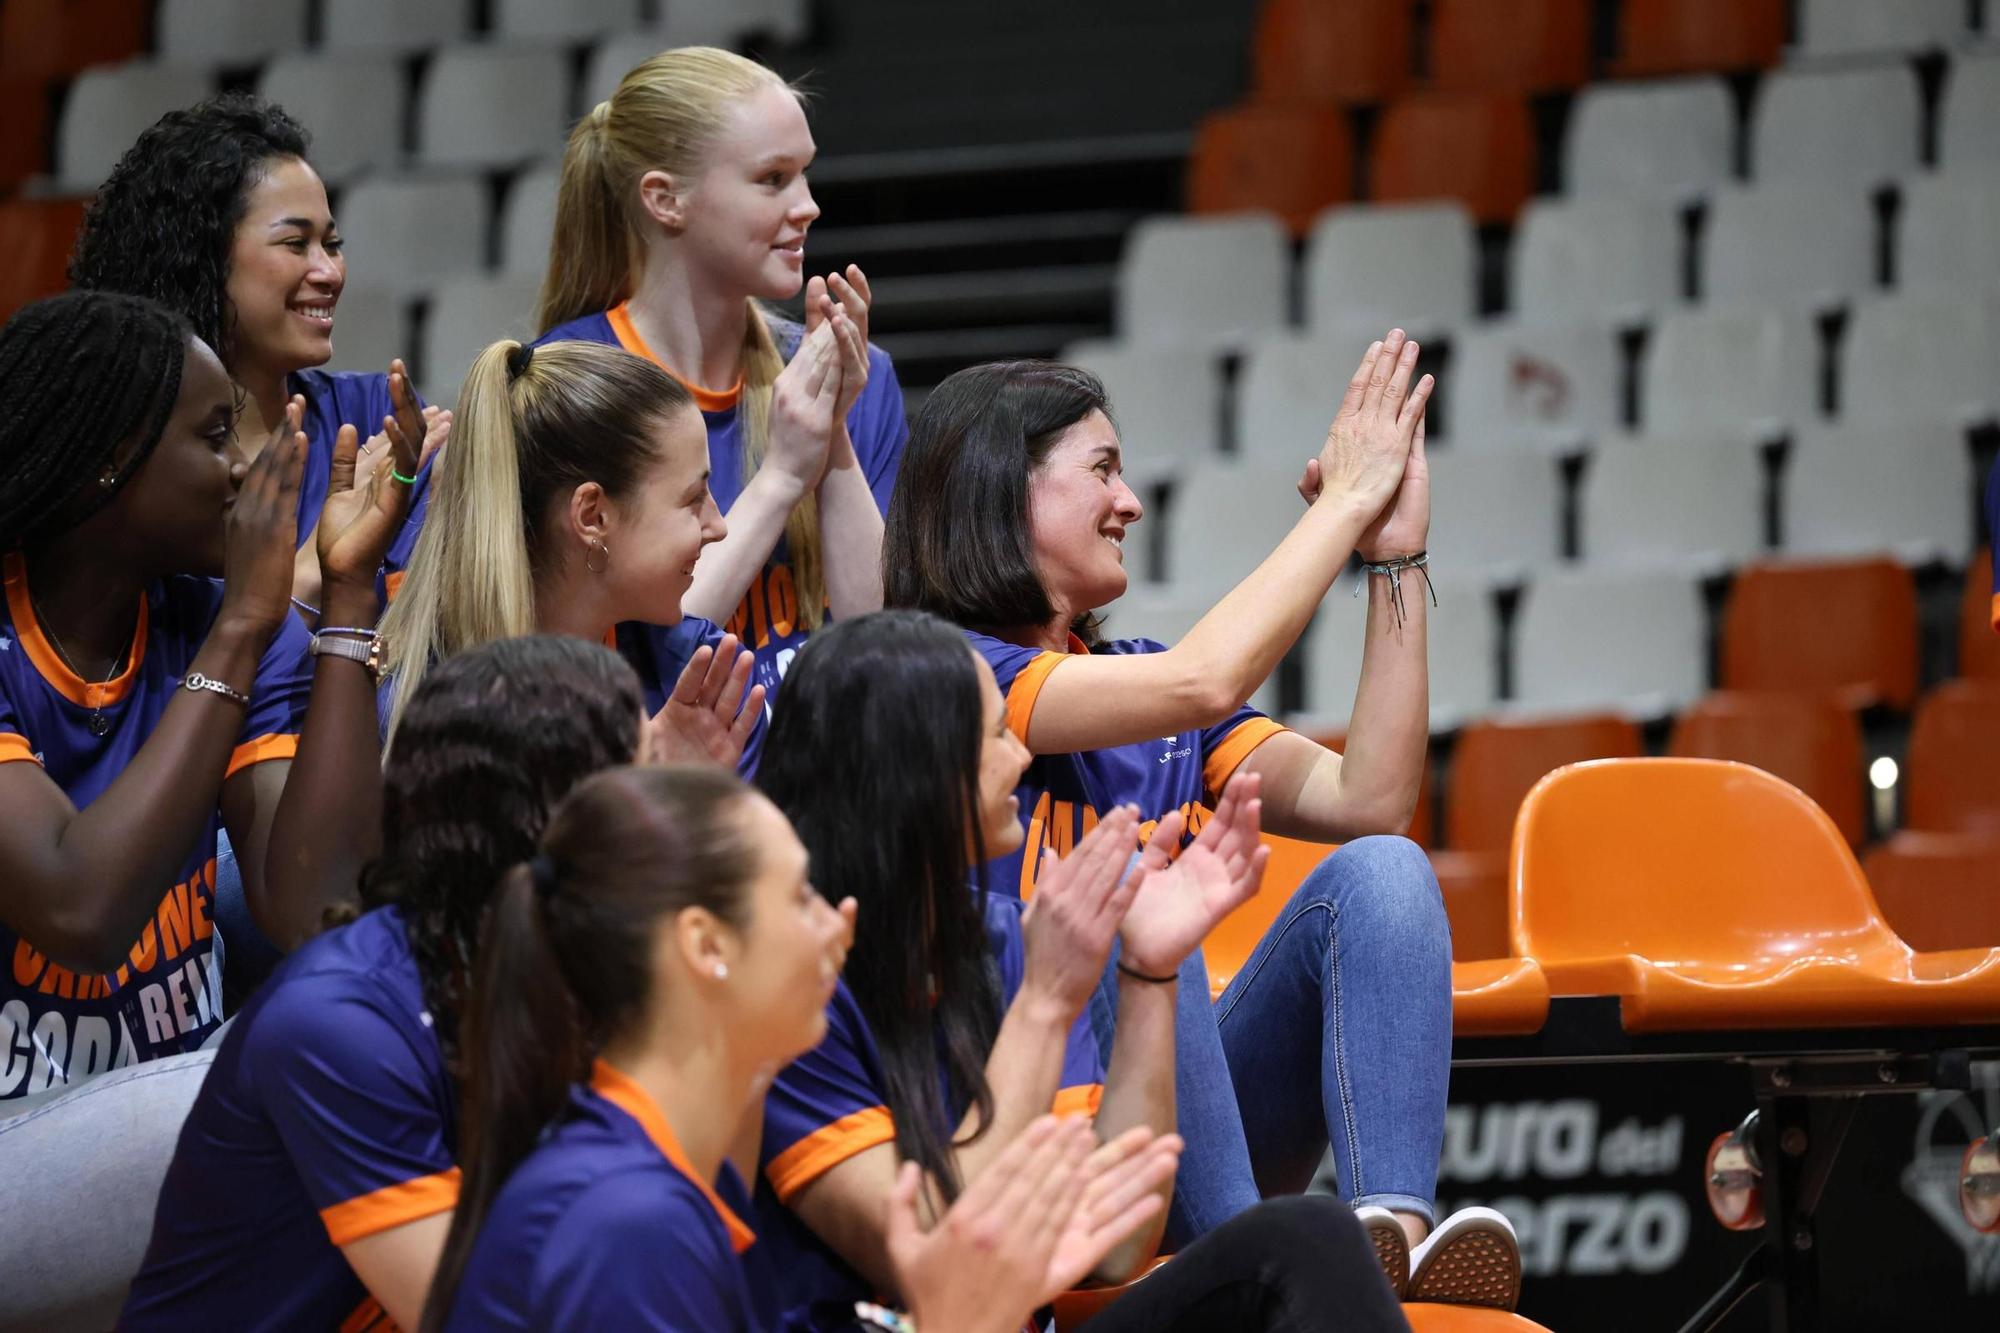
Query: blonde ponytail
(590, 252)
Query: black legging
(1299, 1264)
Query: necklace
(97, 722)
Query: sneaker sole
(1392, 1251)
(1477, 1268)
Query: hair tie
(543, 871)
(519, 360)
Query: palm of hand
(1175, 908)
(1404, 523)
(684, 733)
(355, 529)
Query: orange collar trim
(28, 630)
(629, 1097)
(708, 400)
(1076, 645)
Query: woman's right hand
(1078, 905)
(261, 536)
(1368, 445)
(802, 404)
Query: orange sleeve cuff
(1222, 762)
(385, 1209)
(1027, 687)
(260, 750)
(822, 1150)
(1084, 1099)
(14, 747)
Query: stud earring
(721, 972)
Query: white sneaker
(1391, 1244)
(1472, 1258)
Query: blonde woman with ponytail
(683, 205)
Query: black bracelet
(1141, 976)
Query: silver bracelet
(1393, 571)
(195, 681)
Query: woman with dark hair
(1010, 520)
(962, 1018)
(316, 1173)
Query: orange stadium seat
(57, 38)
(1695, 36)
(35, 236)
(1342, 51)
(1710, 895)
(1953, 774)
(1290, 160)
(1479, 150)
(1509, 45)
(1938, 890)
(1808, 740)
(1847, 629)
(1978, 609)
(1498, 761)
(24, 148)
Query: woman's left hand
(708, 718)
(366, 504)
(1179, 902)
(1402, 528)
(851, 294)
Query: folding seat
(36, 235)
(1608, 258)
(1288, 390)
(417, 232)
(1788, 244)
(729, 22)
(1698, 36)
(1903, 488)
(1848, 629)
(1969, 115)
(1923, 356)
(1414, 266)
(1670, 139)
(1212, 280)
(1708, 895)
(1809, 741)
(1517, 383)
(1510, 45)
(1165, 612)
(229, 32)
(1463, 633)
(1494, 514)
(1859, 127)
(1293, 161)
(1225, 518)
(1332, 50)
(1948, 234)
(1938, 890)
(1739, 372)
(1166, 400)
(393, 25)
(1666, 503)
(1868, 27)
(1479, 150)
(575, 20)
(492, 106)
(109, 106)
(1953, 771)
(528, 220)
(353, 103)
(1497, 761)
(466, 316)
(24, 110)
(1634, 642)
(53, 39)
(371, 327)
(1979, 620)
(610, 61)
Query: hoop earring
(597, 546)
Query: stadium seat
(1709, 895)
(1494, 514)
(1809, 741)
(229, 32)
(1227, 516)
(1478, 150)
(527, 221)
(1213, 280)
(492, 106)
(1291, 161)
(419, 231)
(1463, 633)
(109, 106)
(1978, 618)
(572, 21)
(1474, 885)
(1516, 383)
(24, 110)
(1410, 266)
(610, 61)
(1698, 36)
(1288, 389)
(1524, 46)
(1848, 629)
(1854, 127)
(1738, 372)
(1902, 488)
(1670, 139)
(36, 236)
(53, 39)
(1602, 258)
(1497, 761)
(1938, 890)
(1167, 402)
(1925, 356)
(730, 22)
(1947, 240)
(1665, 503)
(1788, 244)
(1628, 642)
(1165, 612)
(466, 315)
(1969, 115)
(1332, 50)
(353, 104)
(392, 25)
(1868, 27)
(1953, 773)
(371, 327)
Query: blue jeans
(1337, 1030)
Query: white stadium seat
(1790, 244)
(1634, 642)
(1870, 27)
(1669, 140)
(229, 32)
(1165, 612)
(1969, 114)
(492, 106)
(728, 22)
(572, 20)
(1672, 504)
(1287, 391)
(1840, 126)
(610, 61)
(416, 232)
(109, 107)
(465, 317)
(528, 220)
(1412, 265)
(1738, 372)
(1515, 383)
(1166, 400)
(371, 327)
(1494, 515)
(1211, 280)
(1910, 357)
(1903, 488)
(1616, 258)
(393, 25)
(1463, 632)
(1224, 519)
(353, 104)
(1948, 236)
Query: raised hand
(803, 399)
(1404, 525)
(1079, 901)
(1175, 905)
(708, 718)
(1368, 446)
(1121, 1194)
(852, 297)
(262, 531)
(365, 506)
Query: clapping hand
(708, 718)
(1176, 904)
(1079, 901)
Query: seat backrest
(528, 220)
(417, 232)
(1848, 126)
(1979, 620)
(392, 25)
(1661, 502)
(1494, 512)
(1209, 280)
(1167, 401)
(1938, 890)
(1920, 356)
(1611, 640)
(1847, 628)
(110, 106)
(1229, 515)
(1954, 760)
(1687, 861)
(229, 32)
(1809, 741)
(1969, 116)
(1527, 46)
(1868, 27)
(1740, 372)
(1531, 383)
(1497, 761)
(1698, 36)
(1860, 490)
(36, 236)
(1944, 231)
(467, 316)
(53, 39)
(1793, 243)
(1332, 50)
(354, 103)
(492, 106)
(1289, 388)
(610, 61)
(1291, 161)
(1477, 149)
(573, 20)
(1666, 140)
(371, 325)
(25, 110)
(1463, 634)
(1596, 257)
(1412, 265)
